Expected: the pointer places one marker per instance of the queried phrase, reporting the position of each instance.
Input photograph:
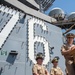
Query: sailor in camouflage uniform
(38, 68)
(66, 50)
(55, 70)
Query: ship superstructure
(25, 31)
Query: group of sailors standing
(67, 50)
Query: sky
(67, 6)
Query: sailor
(38, 68)
(55, 70)
(66, 50)
(66, 71)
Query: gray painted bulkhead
(14, 54)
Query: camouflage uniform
(68, 59)
(39, 69)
